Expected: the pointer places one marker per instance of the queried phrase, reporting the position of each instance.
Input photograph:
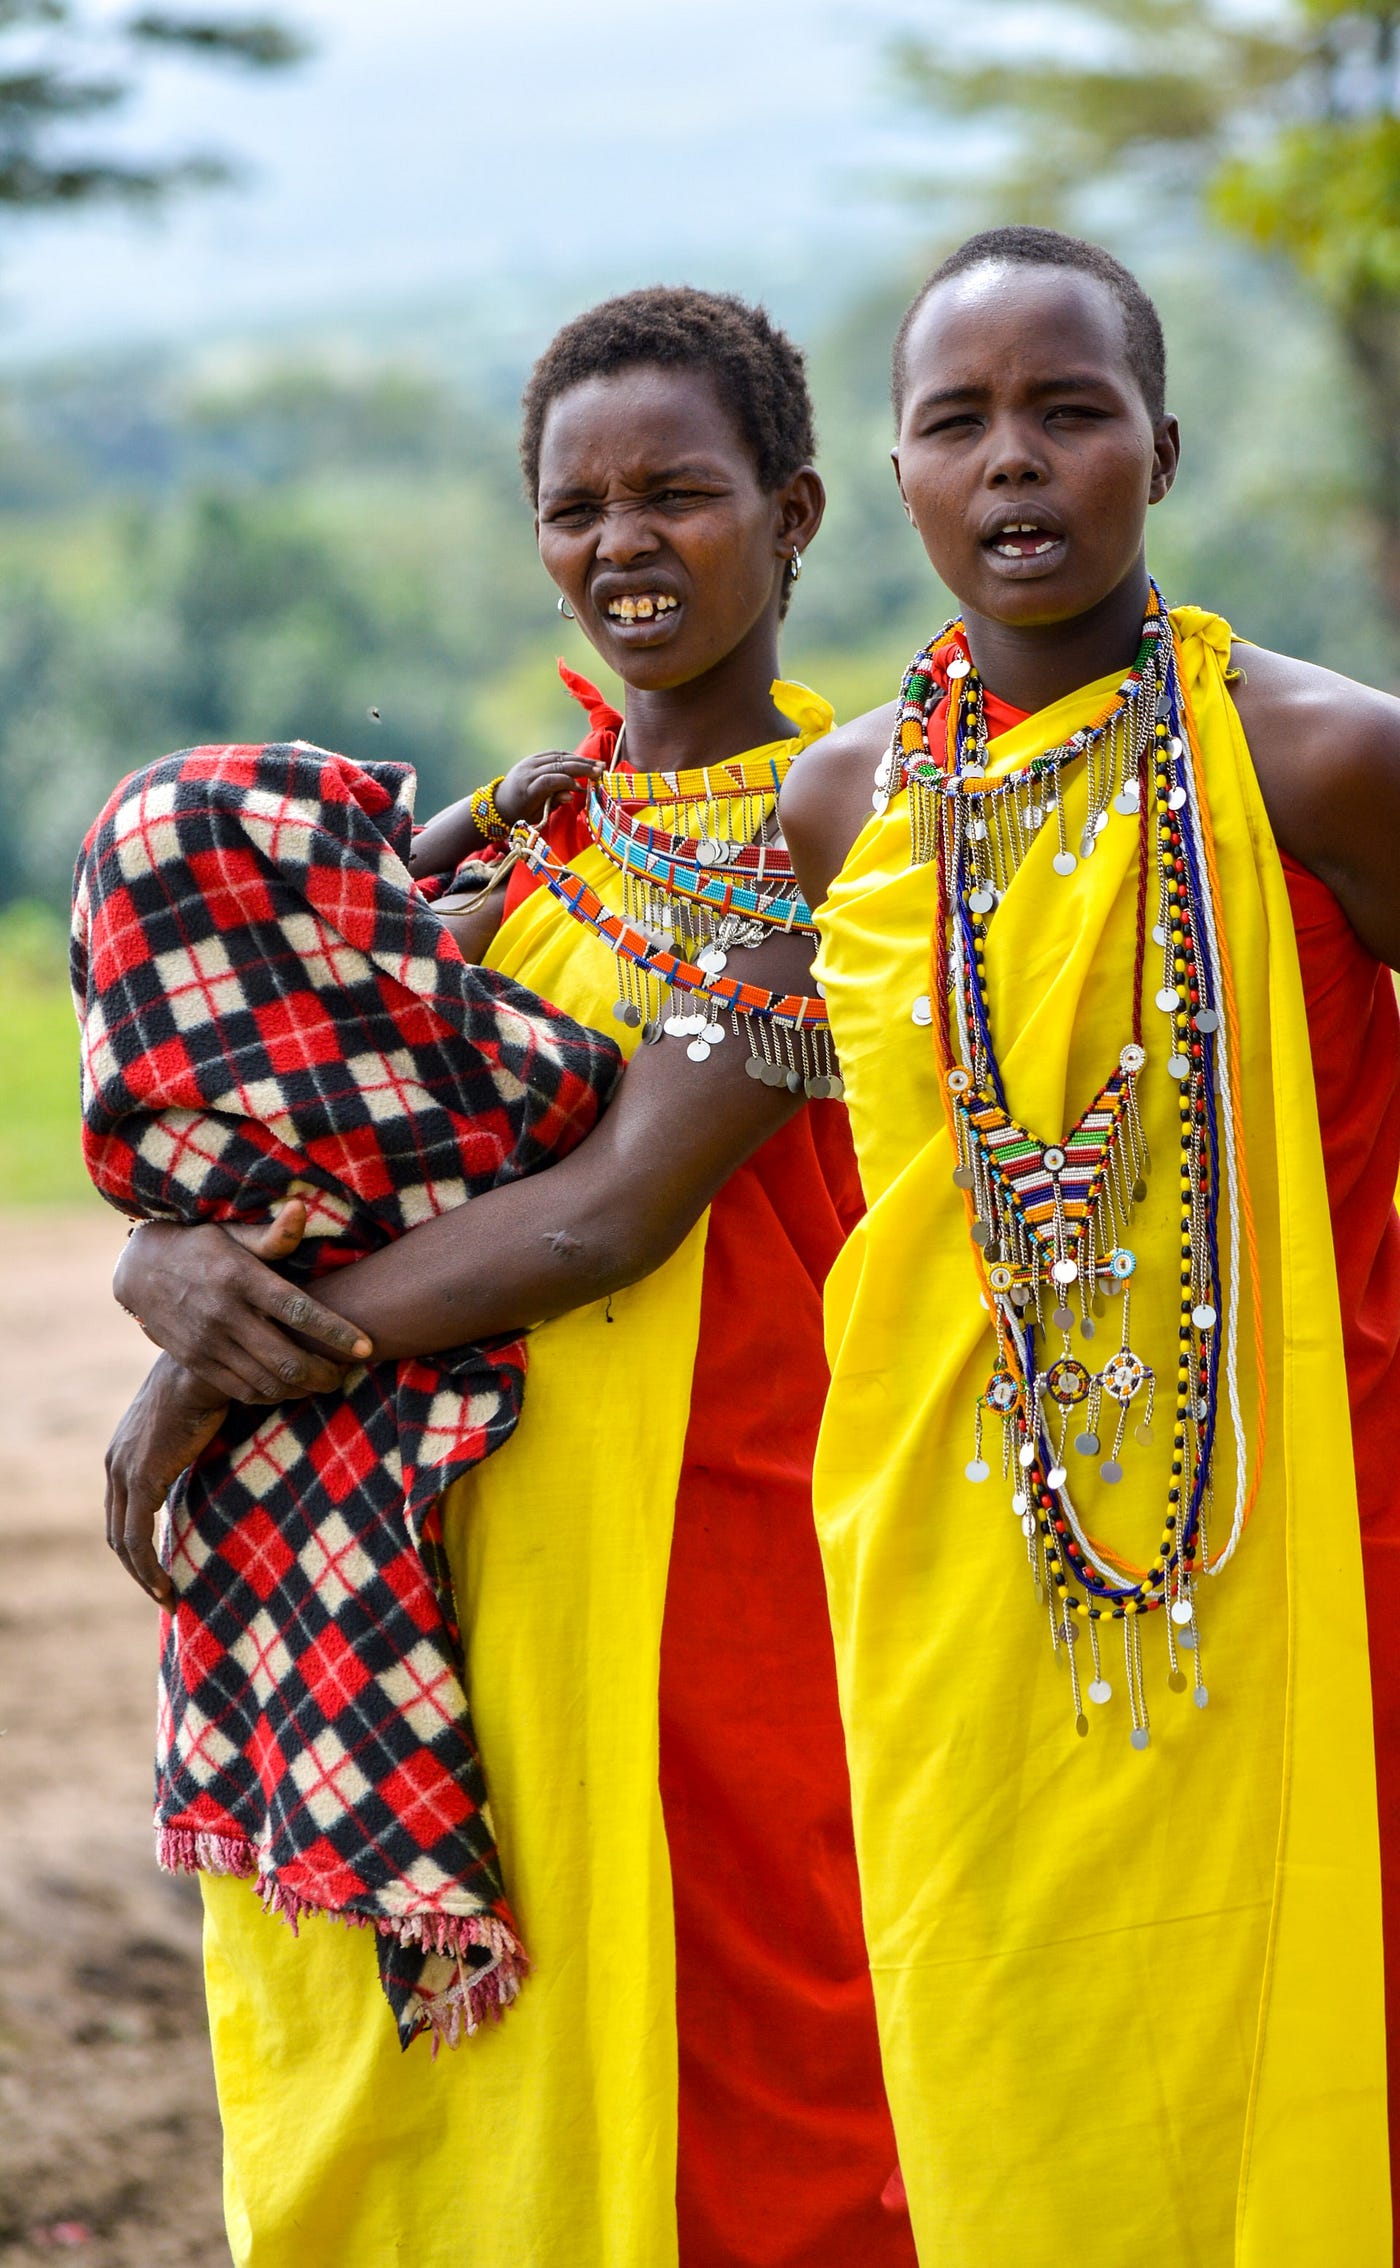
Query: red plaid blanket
(269, 1008)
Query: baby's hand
(528, 785)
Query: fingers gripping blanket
(268, 1008)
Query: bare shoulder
(1326, 751)
(1309, 728)
(826, 797)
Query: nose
(626, 536)
(1016, 454)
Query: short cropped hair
(759, 374)
(1144, 347)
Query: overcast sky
(431, 144)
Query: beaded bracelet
(485, 814)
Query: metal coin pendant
(981, 901)
(1177, 1681)
(1056, 1477)
(1111, 1471)
(1087, 1444)
(1176, 799)
(1168, 999)
(1201, 1697)
(1064, 862)
(922, 1010)
(1206, 1020)
(978, 1470)
(1140, 1736)
(793, 1082)
(1063, 1319)
(1100, 1691)
(1125, 803)
(1182, 1612)
(1081, 1722)
(755, 1066)
(699, 1051)
(964, 1177)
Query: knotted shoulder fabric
(269, 1009)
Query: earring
(795, 565)
(566, 610)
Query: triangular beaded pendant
(1048, 1182)
(1029, 1193)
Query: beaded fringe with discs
(703, 877)
(1051, 1221)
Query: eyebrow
(659, 479)
(1073, 382)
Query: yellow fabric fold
(1130, 2003)
(549, 2140)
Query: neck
(721, 713)
(1029, 665)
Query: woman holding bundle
(691, 2070)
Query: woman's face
(652, 522)
(1027, 458)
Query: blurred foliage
(62, 66)
(40, 1159)
(1283, 118)
(259, 548)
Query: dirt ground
(109, 2146)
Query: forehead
(1012, 323)
(637, 422)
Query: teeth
(642, 609)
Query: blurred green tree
(1283, 119)
(59, 67)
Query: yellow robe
(1130, 2003)
(549, 2140)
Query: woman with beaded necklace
(691, 2071)
(1107, 911)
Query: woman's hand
(172, 1418)
(211, 1299)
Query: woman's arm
(607, 1215)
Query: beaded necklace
(694, 891)
(1050, 1221)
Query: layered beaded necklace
(703, 876)
(1051, 1221)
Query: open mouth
(1030, 540)
(1025, 539)
(641, 606)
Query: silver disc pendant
(1100, 1691)
(1178, 1066)
(964, 1177)
(1125, 803)
(1176, 799)
(1206, 1020)
(1063, 1319)
(1064, 862)
(1176, 1680)
(1087, 1444)
(922, 1010)
(1168, 999)
(712, 1033)
(1201, 1697)
(1140, 1736)
(699, 1051)
(981, 901)
(1111, 1471)
(755, 1066)
(978, 1470)
(1182, 1612)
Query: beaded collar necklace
(1050, 1220)
(694, 893)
